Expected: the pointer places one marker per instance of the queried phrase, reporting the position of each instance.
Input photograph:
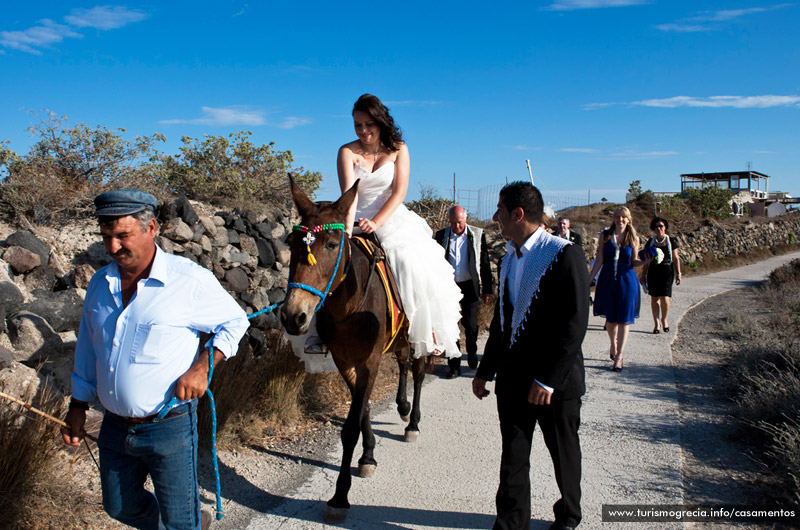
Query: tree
(635, 188)
(710, 201)
(431, 207)
(68, 166)
(232, 170)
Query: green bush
(232, 171)
(431, 207)
(710, 201)
(68, 166)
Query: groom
(536, 358)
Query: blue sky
(595, 93)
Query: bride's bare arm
(402, 166)
(344, 166)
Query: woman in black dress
(660, 275)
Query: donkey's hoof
(406, 418)
(411, 436)
(335, 515)
(366, 470)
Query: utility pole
(530, 172)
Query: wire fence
(482, 203)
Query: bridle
(309, 239)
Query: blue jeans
(164, 449)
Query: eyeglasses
(659, 226)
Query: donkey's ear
(301, 200)
(343, 204)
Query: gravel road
(630, 436)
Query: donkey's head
(318, 254)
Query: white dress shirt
(458, 256)
(130, 357)
(516, 266)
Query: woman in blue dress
(617, 292)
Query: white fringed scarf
(542, 255)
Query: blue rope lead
(173, 401)
(267, 309)
(220, 513)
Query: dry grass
(764, 375)
(35, 485)
(267, 398)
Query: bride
(379, 158)
(430, 296)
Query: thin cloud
(48, 33)
(290, 122)
(594, 106)
(640, 155)
(730, 14)
(241, 11)
(738, 102)
(579, 150)
(223, 117)
(42, 36)
(683, 28)
(571, 5)
(521, 147)
(237, 115)
(104, 17)
(710, 20)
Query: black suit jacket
(548, 348)
(575, 237)
(483, 284)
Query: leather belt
(146, 419)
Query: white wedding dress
(424, 277)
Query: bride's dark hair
(390, 133)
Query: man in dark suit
(465, 248)
(534, 350)
(562, 230)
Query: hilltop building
(750, 191)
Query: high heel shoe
(666, 329)
(656, 331)
(616, 368)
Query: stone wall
(728, 240)
(43, 280)
(717, 239)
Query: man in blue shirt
(137, 346)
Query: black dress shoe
(472, 360)
(452, 374)
(559, 526)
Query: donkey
(337, 279)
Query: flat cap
(118, 203)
